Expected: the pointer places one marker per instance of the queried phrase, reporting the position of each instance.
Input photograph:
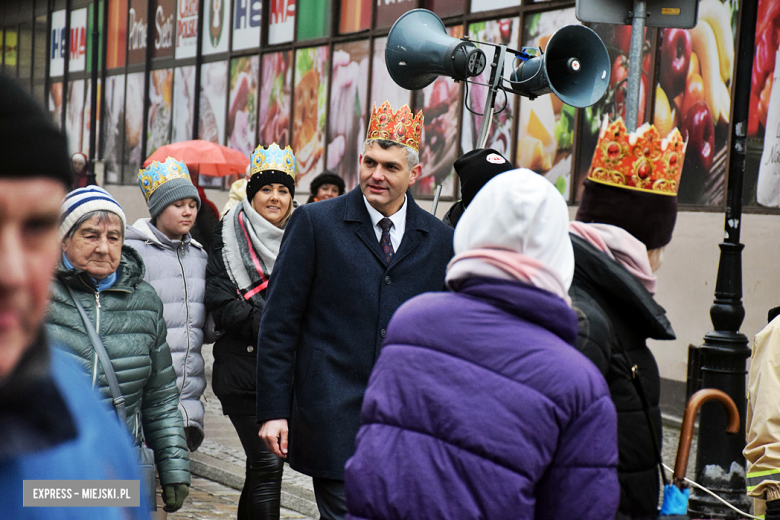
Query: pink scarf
(619, 245)
(508, 265)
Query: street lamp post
(720, 465)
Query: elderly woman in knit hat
(625, 220)
(479, 405)
(245, 247)
(179, 277)
(106, 277)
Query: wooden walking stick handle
(689, 418)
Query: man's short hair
(412, 156)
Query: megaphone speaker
(575, 67)
(419, 50)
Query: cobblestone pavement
(212, 501)
(221, 438)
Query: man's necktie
(387, 245)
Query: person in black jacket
(618, 238)
(474, 169)
(244, 251)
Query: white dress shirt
(398, 219)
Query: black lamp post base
(702, 505)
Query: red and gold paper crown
(639, 160)
(400, 126)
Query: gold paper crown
(157, 174)
(400, 126)
(639, 160)
(273, 158)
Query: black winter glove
(173, 495)
(772, 510)
(193, 436)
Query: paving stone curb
(295, 497)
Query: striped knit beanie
(86, 200)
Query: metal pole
(720, 465)
(436, 200)
(93, 115)
(496, 74)
(198, 64)
(635, 65)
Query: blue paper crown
(273, 158)
(157, 174)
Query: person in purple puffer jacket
(479, 405)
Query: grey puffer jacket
(177, 271)
(128, 316)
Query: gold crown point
(640, 160)
(401, 126)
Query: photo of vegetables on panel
(275, 98)
(504, 31)
(309, 112)
(348, 109)
(694, 94)
(545, 133)
(441, 104)
(242, 104)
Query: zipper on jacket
(97, 329)
(187, 322)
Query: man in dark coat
(345, 266)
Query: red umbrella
(203, 157)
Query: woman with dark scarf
(244, 250)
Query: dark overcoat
(330, 298)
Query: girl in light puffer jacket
(176, 268)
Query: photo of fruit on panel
(693, 94)
(546, 128)
(617, 39)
